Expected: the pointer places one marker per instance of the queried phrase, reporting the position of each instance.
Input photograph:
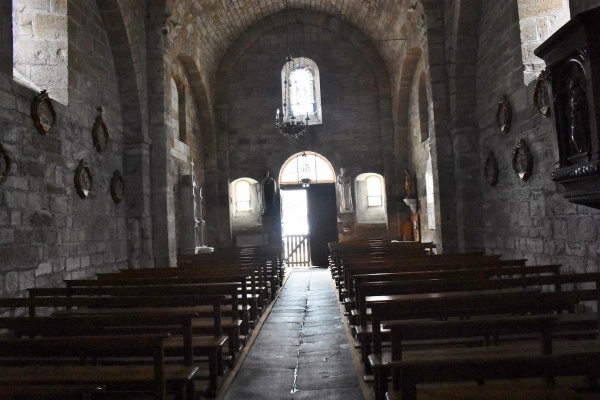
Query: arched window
(40, 46)
(245, 204)
(370, 200)
(242, 195)
(306, 165)
(374, 192)
(301, 90)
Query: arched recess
(304, 18)
(370, 198)
(208, 152)
(136, 157)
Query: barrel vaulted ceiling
(221, 22)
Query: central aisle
(302, 349)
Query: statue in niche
(577, 115)
(344, 189)
(269, 193)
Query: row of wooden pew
(420, 317)
(166, 332)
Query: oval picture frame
(504, 115)
(100, 132)
(541, 95)
(83, 180)
(5, 163)
(490, 169)
(117, 187)
(522, 162)
(42, 113)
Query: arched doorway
(308, 208)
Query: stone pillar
(136, 176)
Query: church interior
(141, 135)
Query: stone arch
(136, 157)
(210, 172)
(122, 44)
(305, 17)
(407, 73)
(356, 38)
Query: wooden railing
(297, 250)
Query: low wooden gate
(297, 250)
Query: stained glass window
(302, 92)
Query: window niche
(246, 205)
(370, 199)
(572, 57)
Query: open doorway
(294, 227)
(309, 216)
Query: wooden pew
(462, 304)
(429, 263)
(502, 366)
(256, 284)
(183, 342)
(148, 305)
(247, 303)
(228, 290)
(154, 377)
(447, 281)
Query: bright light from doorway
(294, 218)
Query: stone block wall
(350, 135)
(41, 45)
(527, 219)
(47, 232)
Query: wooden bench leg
(213, 371)
(409, 389)
(380, 383)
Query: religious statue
(344, 190)
(269, 192)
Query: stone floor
(302, 350)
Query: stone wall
(524, 219)
(47, 232)
(350, 135)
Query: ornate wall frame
(541, 95)
(42, 113)
(5, 163)
(504, 115)
(100, 132)
(83, 180)
(522, 162)
(117, 187)
(490, 169)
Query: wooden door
(322, 221)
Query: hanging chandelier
(287, 123)
(289, 126)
